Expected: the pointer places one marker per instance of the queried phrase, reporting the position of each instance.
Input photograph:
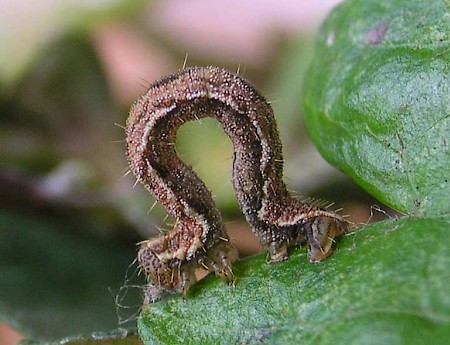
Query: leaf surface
(386, 282)
(377, 98)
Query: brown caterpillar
(199, 238)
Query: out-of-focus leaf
(377, 97)
(386, 283)
(61, 108)
(205, 138)
(54, 281)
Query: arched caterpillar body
(199, 238)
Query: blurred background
(69, 71)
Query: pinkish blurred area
(238, 33)
(9, 336)
(240, 30)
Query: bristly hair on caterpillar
(198, 238)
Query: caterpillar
(198, 238)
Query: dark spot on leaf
(376, 35)
(417, 203)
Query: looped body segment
(199, 238)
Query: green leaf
(386, 284)
(377, 98)
(55, 280)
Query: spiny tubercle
(199, 237)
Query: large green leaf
(377, 100)
(387, 283)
